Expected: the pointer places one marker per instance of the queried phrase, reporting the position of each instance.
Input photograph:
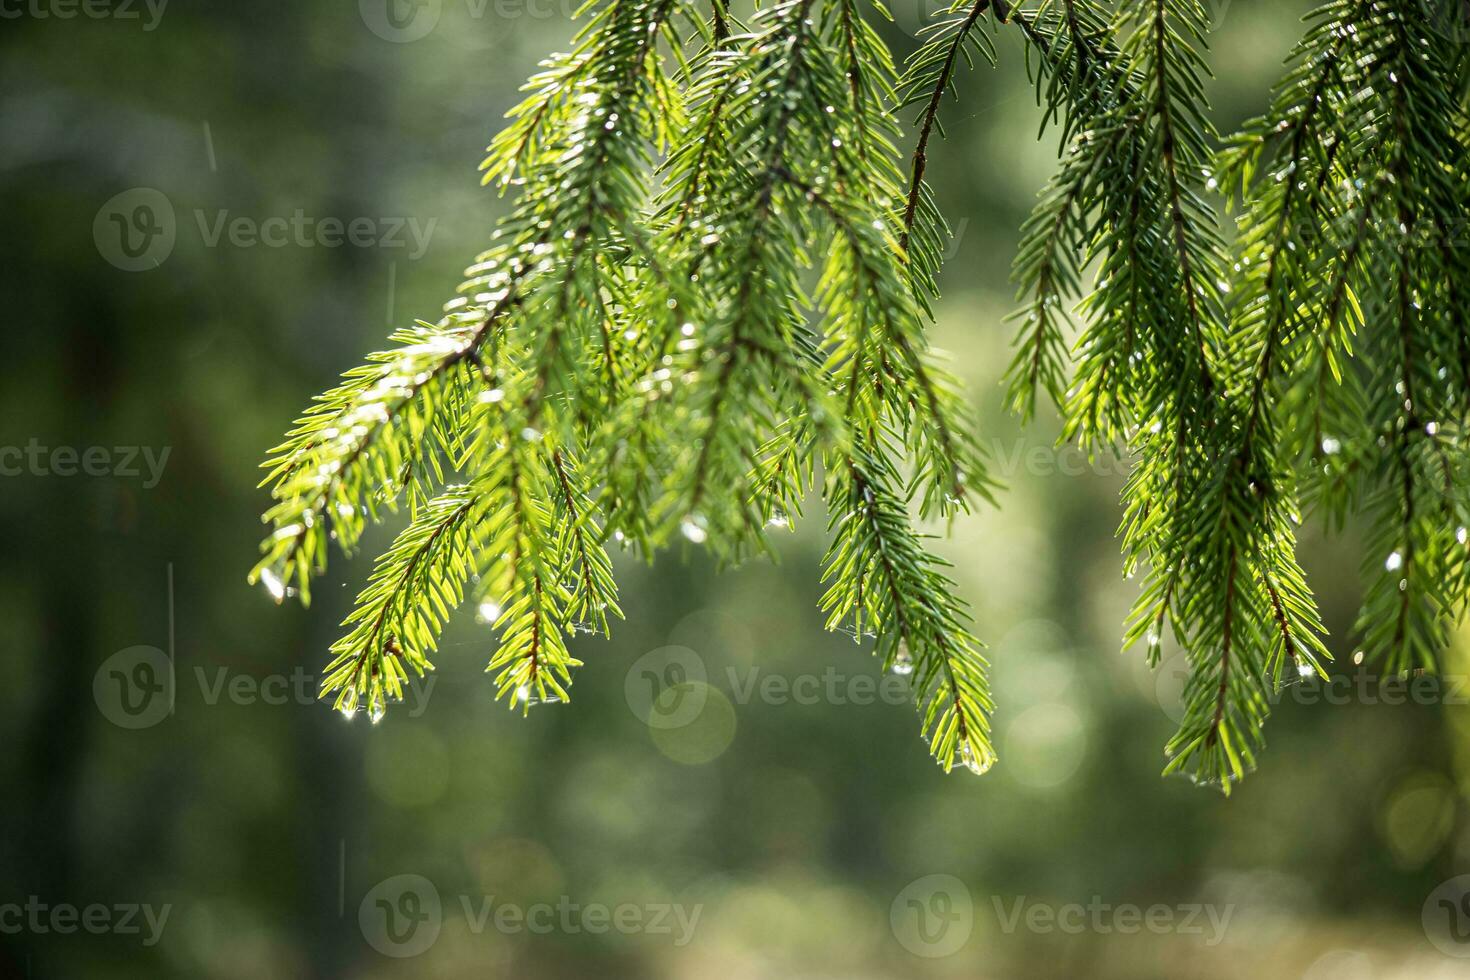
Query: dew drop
(1395, 562)
(376, 712)
(1304, 670)
(525, 696)
(292, 530)
(273, 584)
(903, 662)
(693, 529)
(488, 611)
(978, 765)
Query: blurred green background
(802, 835)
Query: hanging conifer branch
(711, 297)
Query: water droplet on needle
(273, 584)
(693, 529)
(978, 765)
(903, 661)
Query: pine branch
(717, 273)
(877, 567)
